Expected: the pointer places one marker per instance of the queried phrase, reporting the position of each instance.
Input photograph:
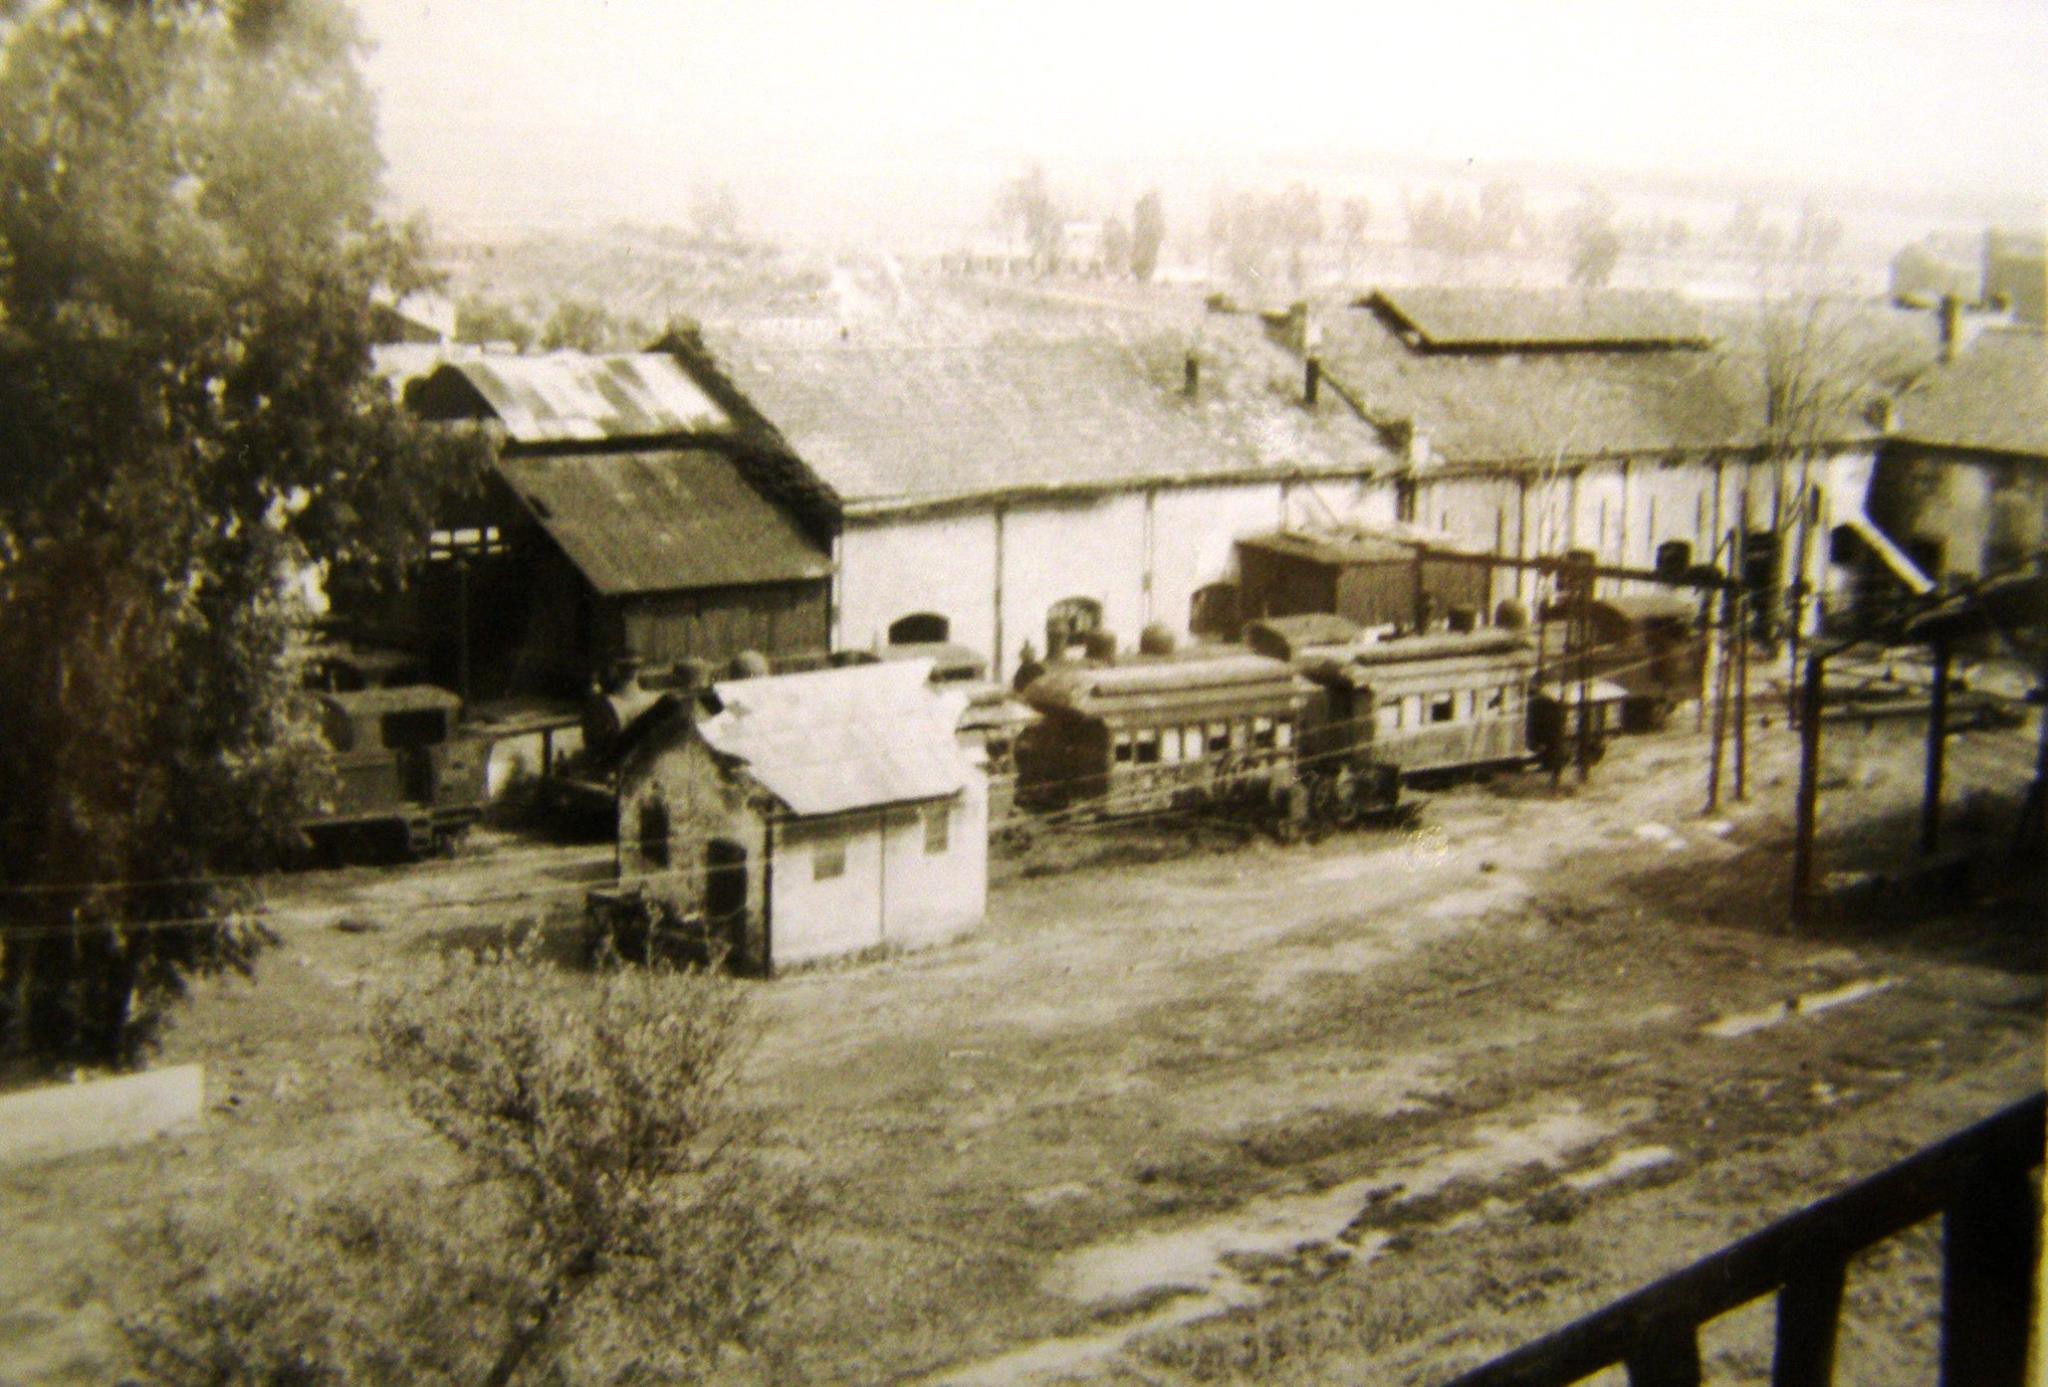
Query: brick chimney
(1951, 320)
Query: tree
(1148, 235)
(579, 325)
(1027, 201)
(480, 320)
(188, 424)
(1116, 247)
(1595, 244)
(603, 1220)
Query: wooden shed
(1370, 580)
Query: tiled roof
(1083, 402)
(1993, 396)
(1457, 319)
(661, 521)
(571, 397)
(1535, 408)
(836, 740)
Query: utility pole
(1937, 746)
(1723, 654)
(1742, 645)
(1809, 795)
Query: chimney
(1418, 447)
(1311, 381)
(1951, 312)
(1191, 385)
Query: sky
(818, 111)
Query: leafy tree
(480, 320)
(603, 1219)
(1116, 247)
(1595, 243)
(188, 422)
(1148, 234)
(583, 326)
(1027, 201)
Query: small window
(828, 859)
(1123, 748)
(938, 827)
(1145, 747)
(1283, 734)
(1169, 745)
(1499, 698)
(1262, 732)
(1238, 736)
(1219, 738)
(1443, 709)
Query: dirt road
(1368, 1108)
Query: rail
(1978, 1180)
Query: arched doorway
(1068, 622)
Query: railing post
(1809, 1311)
(1668, 1357)
(1987, 1280)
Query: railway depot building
(622, 523)
(1962, 481)
(1007, 490)
(1627, 425)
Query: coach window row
(1149, 746)
(1421, 710)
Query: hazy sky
(492, 105)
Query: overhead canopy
(838, 740)
(662, 521)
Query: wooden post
(1987, 1280)
(1722, 654)
(1937, 745)
(1582, 620)
(1807, 802)
(1742, 695)
(1809, 1309)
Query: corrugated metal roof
(662, 521)
(571, 397)
(836, 740)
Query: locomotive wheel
(1348, 809)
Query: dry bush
(608, 1221)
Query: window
(1498, 700)
(1169, 745)
(919, 628)
(1145, 747)
(415, 727)
(1444, 708)
(1262, 732)
(1219, 738)
(828, 859)
(1123, 748)
(1283, 734)
(938, 827)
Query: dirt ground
(1371, 1108)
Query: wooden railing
(1978, 1180)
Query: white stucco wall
(892, 891)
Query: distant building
(2016, 273)
(1934, 268)
(1962, 482)
(621, 525)
(813, 815)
